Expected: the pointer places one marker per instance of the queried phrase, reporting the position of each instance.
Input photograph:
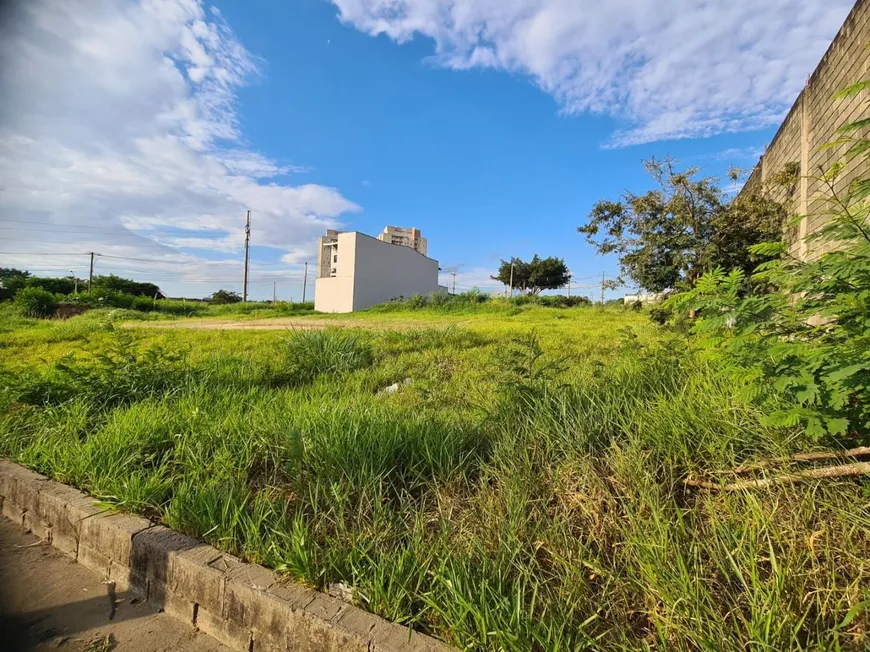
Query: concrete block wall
(245, 606)
(813, 121)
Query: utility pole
(569, 286)
(512, 278)
(453, 272)
(602, 288)
(76, 281)
(247, 247)
(274, 292)
(91, 274)
(304, 282)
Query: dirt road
(275, 323)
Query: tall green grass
(520, 493)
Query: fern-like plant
(804, 339)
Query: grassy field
(521, 489)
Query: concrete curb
(245, 606)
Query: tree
(682, 228)
(112, 283)
(11, 280)
(535, 275)
(224, 296)
(55, 285)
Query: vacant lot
(503, 477)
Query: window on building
(335, 258)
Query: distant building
(406, 237)
(355, 271)
(644, 298)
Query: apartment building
(398, 235)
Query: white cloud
(739, 154)
(675, 69)
(119, 133)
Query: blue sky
(144, 130)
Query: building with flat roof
(398, 235)
(355, 271)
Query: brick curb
(245, 606)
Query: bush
(222, 297)
(143, 304)
(35, 302)
(796, 332)
(660, 315)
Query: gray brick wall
(813, 121)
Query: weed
(307, 354)
(554, 518)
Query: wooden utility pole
(453, 272)
(91, 273)
(247, 248)
(512, 278)
(274, 292)
(304, 282)
(602, 288)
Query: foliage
(114, 374)
(222, 297)
(672, 234)
(809, 332)
(440, 301)
(35, 302)
(533, 276)
(11, 280)
(113, 283)
(7, 273)
(496, 501)
(55, 285)
(660, 314)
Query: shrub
(143, 304)
(803, 332)
(35, 302)
(222, 297)
(660, 315)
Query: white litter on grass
(392, 389)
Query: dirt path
(50, 603)
(274, 323)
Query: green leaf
(852, 90)
(854, 611)
(845, 372)
(854, 126)
(837, 426)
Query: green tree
(534, 276)
(11, 280)
(224, 296)
(680, 229)
(112, 283)
(55, 285)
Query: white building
(356, 271)
(644, 298)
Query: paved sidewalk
(48, 602)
